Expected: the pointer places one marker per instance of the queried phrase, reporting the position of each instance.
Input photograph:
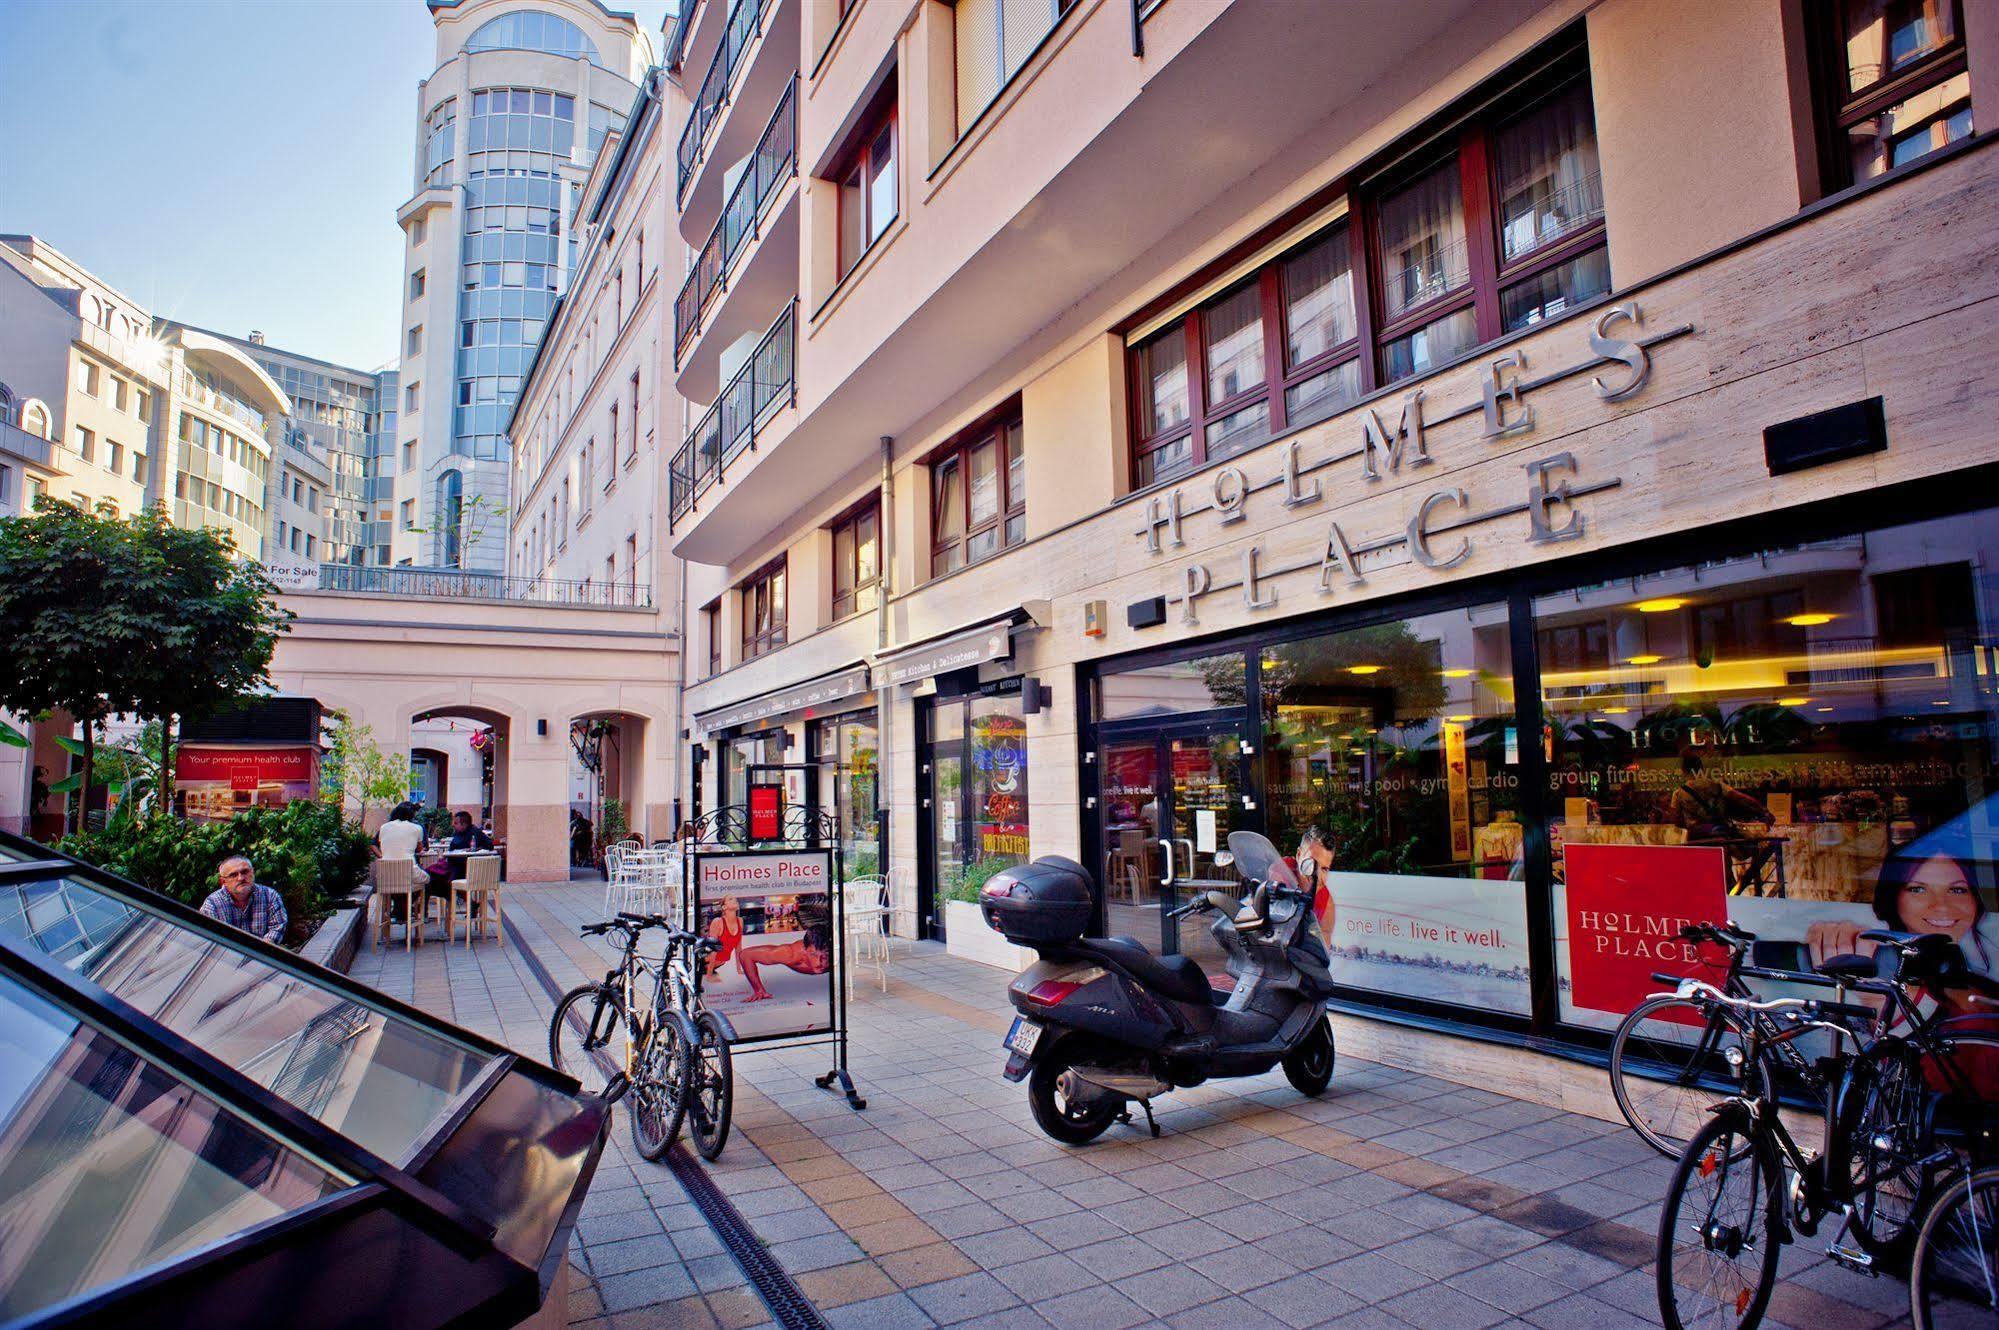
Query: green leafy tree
(71, 642)
(214, 621)
(358, 767)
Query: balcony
(764, 386)
(745, 218)
(30, 448)
(744, 23)
(462, 584)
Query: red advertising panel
(245, 768)
(766, 812)
(1627, 905)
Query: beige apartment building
(1479, 431)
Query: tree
(214, 619)
(71, 643)
(357, 765)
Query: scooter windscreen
(1258, 860)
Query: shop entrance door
(1169, 797)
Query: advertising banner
(251, 764)
(1447, 939)
(1626, 907)
(766, 812)
(772, 911)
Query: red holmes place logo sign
(1627, 905)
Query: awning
(992, 640)
(819, 692)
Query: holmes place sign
(1432, 534)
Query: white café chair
(650, 878)
(865, 910)
(614, 857)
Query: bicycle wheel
(1886, 1124)
(585, 1034)
(1717, 1249)
(713, 1101)
(660, 1089)
(1668, 1070)
(1954, 1272)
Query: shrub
(305, 851)
(974, 875)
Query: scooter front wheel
(1070, 1121)
(1309, 1067)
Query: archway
(607, 787)
(471, 746)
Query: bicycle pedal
(1853, 1259)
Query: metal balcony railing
(461, 584)
(774, 162)
(762, 387)
(745, 24)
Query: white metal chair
(650, 878)
(865, 909)
(902, 900)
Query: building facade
(339, 450)
(1535, 445)
(524, 93)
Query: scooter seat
(1179, 978)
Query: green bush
(305, 851)
(974, 875)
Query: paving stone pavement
(1395, 1200)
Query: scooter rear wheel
(1309, 1067)
(1072, 1122)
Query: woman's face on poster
(1938, 899)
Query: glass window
(849, 751)
(1422, 235)
(1172, 688)
(1162, 379)
(1546, 173)
(763, 611)
(1234, 329)
(364, 1073)
(1318, 298)
(979, 497)
(115, 1166)
(1398, 743)
(1553, 291)
(1796, 740)
(978, 791)
(1901, 91)
(868, 187)
(857, 562)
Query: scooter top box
(1046, 901)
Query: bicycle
(711, 1088)
(1665, 1082)
(655, 1063)
(1880, 1162)
(1954, 1273)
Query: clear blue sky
(234, 164)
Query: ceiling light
(1363, 669)
(1825, 708)
(1809, 620)
(1457, 674)
(1643, 660)
(1659, 606)
(1940, 702)
(1459, 720)
(1792, 701)
(1616, 711)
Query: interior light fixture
(1825, 708)
(1364, 669)
(1616, 711)
(1662, 605)
(1457, 674)
(1459, 720)
(1809, 620)
(1644, 660)
(1792, 701)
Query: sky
(233, 164)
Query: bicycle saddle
(1847, 968)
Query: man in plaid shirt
(243, 902)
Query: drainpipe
(885, 696)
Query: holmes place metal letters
(1432, 535)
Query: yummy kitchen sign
(1436, 533)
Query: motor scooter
(1104, 1022)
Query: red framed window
(1892, 84)
(1494, 225)
(978, 494)
(763, 609)
(866, 175)
(857, 560)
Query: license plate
(1022, 1038)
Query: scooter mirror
(1224, 859)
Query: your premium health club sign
(772, 912)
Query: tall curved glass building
(523, 96)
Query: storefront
(973, 818)
(844, 752)
(815, 741)
(1529, 783)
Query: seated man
(243, 902)
(464, 836)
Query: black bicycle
(1678, 1054)
(1743, 1185)
(618, 1041)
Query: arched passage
(608, 782)
(476, 745)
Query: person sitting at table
(465, 838)
(400, 838)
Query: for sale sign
(1626, 907)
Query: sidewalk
(1395, 1200)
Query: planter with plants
(966, 932)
